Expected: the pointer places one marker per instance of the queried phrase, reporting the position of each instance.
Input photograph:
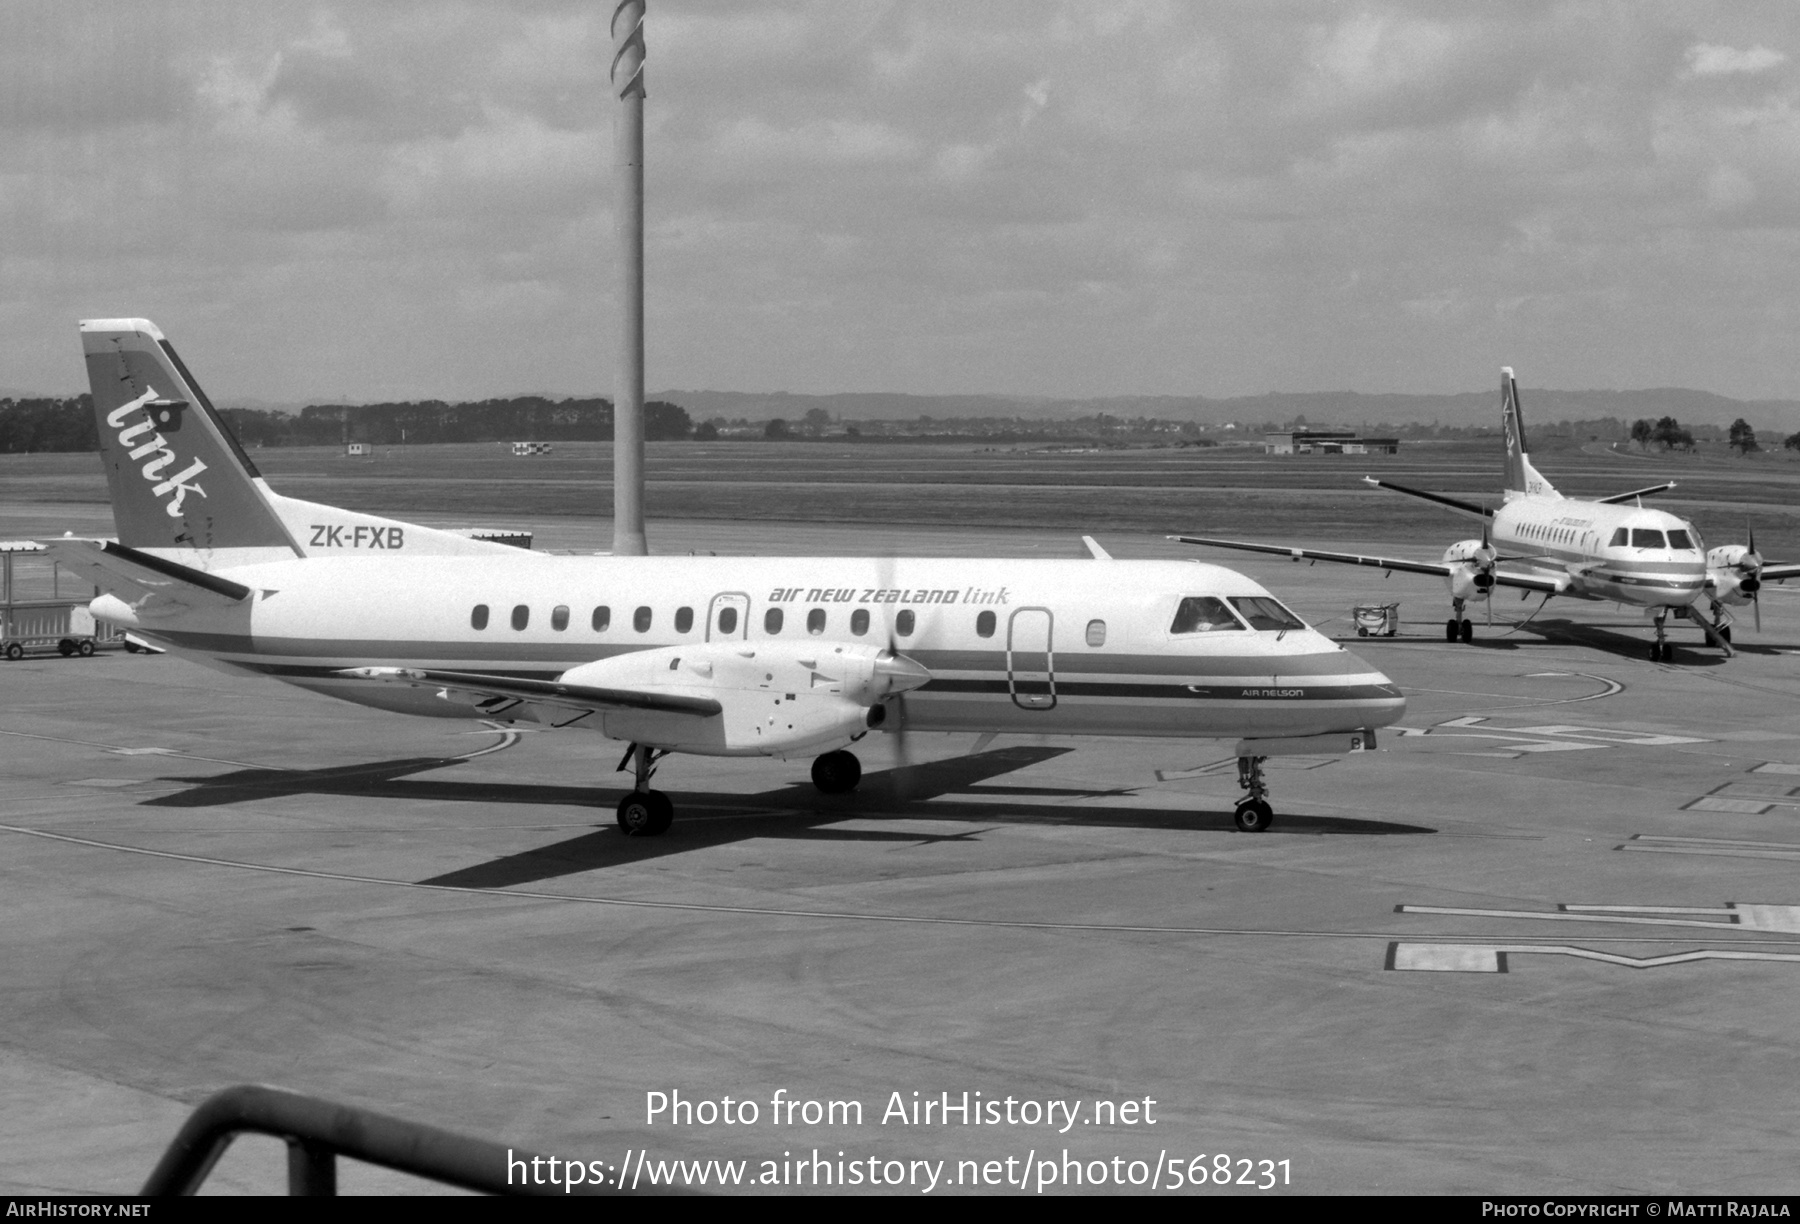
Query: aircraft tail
(178, 477)
(1521, 478)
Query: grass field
(1228, 490)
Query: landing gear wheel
(1668, 652)
(1466, 631)
(1253, 816)
(85, 649)
(65, 648)
(1725, 633)
(645, 814)
(836, 772)
(14, 652)
(131, 647)
(1452, 627)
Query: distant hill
(1318, 407)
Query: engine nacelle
(1474, 577)
(780, 698)
(1733, 574)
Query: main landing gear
(644, 812)
(836, 772)
(1253, 815)
(1458, 627)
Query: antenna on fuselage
(627, 78)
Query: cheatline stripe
(837, 915)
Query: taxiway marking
(1491, 958)
(1717, 847)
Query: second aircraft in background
(1604, 549)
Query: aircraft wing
(1437, 499)
(132, 574)
(1443, 569)
(1618, 499)
(539, 692)
(1779, 573)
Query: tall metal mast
(628, 381)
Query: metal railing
(318, 1132)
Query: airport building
(1327, 442)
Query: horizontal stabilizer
(1620, 498)
(132, 574)
(541, 692)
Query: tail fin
(178, 477)
(1521, 478)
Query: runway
(1546, 940)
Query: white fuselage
(1647, 558)
(1058, 647)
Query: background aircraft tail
(178, 477)
(1521, 478)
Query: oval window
(640, 620)
(602, 618)
(903, 624)
(1096, 633)
(684, 619)
(984, 624)
(859, 621)
(521, 616)
(772, 621)
(727, 620)
(559, 617)
(815, 621)
(478, 618)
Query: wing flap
(540, 692)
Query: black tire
(645, 814)
(1725, 634)
(14, 651)
(1668, 652)
(65, 648)
(85, 648)
(1253, 816)
(836, 772)
(1467, 632)
(1361, 632)
(131, 647)
(1451, 629)
(1656, 652)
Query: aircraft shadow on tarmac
(1690, 650)
(793, 811)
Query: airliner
(783, 657)
(1539, 540)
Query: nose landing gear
(1458, 627)
(1253, 815)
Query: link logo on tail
(1522, 480)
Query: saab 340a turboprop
(1541, 541)
(768, 656)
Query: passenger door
(1030, 660)
(728, 617)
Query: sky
(401, 200)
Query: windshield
(1679, 539)
(1264, 612)
(1642, 537)
(1202, 614)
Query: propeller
(1750, 565)
(1484, 559)
(897, 703)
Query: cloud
(1710, 60)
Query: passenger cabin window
(559, 617)
(859, 621)
(478, 618)
(1621, 539)
(1202, 614)
(1096, 633)
(1642, 537)
(903, 623)
(640, 620)
(984, 625)
(684, 619)
(1680, 539)
(728, 619)
(772, 621)
(815, 621)
(1265, 613)
(602, 618)
(521, 616)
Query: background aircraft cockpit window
(1096, 633)
(984, 625)
(602, 618)
(1680, 539)
(728, 619)
(1202, 614)
(1644, 537)
(1265, 613)
(903, 623)
(859, 621)
(478, 618)
(684, 619)
(521, 615)
(772, 621)
(815, 621)
(1621, 539)
(640, 620)
(559, 617)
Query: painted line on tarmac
(769, 912)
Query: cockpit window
(1680, 539)
(1265, 613)
(1203, 614)
(1644, 537)
(1621, 539)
